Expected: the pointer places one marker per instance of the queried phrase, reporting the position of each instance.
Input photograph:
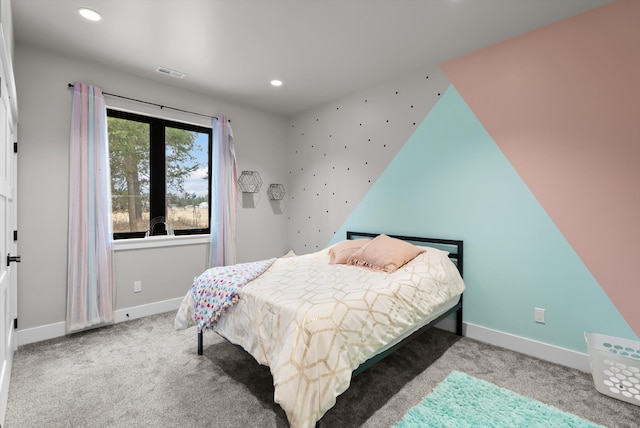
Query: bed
(319, 319)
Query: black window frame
(157, 171)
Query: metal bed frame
(456, 254)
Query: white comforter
(313, 323)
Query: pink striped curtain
(90, 297)
(224, 194)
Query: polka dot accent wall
(337, 151)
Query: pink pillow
(339, 253)
(384, 253)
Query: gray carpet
(143, 373)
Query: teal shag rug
(463, 401)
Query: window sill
(159, 241)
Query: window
(160, 175)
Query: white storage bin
(615, 365)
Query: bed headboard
(453, 246)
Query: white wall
(45, 105)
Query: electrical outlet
(539, 315)
(137, 286)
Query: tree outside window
(159, 175)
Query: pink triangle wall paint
(562, 104)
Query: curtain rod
(154, 104)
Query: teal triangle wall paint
(450, 180)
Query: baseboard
(148, 309)
(40, 333)
(544, 351)
(51, 331)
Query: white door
(8, 246)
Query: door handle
(11, 258)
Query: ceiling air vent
(170, 72)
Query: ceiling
(321, 49)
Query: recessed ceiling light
(89, 14)
(276, 82)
